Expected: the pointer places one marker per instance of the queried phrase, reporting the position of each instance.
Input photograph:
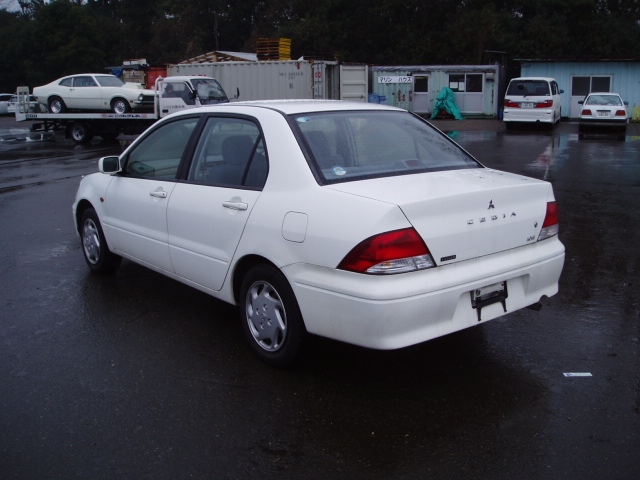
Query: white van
(532, 99)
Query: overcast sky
(9, 4)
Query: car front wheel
(94, 246)
(271, 317)
(120, 106)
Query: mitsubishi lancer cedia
(358, 222)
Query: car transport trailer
(172, 94)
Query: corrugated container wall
(154, 73)
(623, 79)
(256, 81)
(416, 87)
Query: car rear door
(207, 214)
(136, 200)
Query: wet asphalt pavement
(136, 376)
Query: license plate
(495, 293)
(526, 105)
(603, 114)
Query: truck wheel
(80, 132)
(57, 105)
(120, 106)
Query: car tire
(120, 106)
(270, 316)
(94, 245)
(80, 132)
(57, 105)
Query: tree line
(42, 40)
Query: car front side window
(84, 81)
(230, 152)
(158, 155)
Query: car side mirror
(561, 91)
(626, 103)
(109, 165)
(580, 102)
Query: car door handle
(235, 205)
(158, 194)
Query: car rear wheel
(57, 105)
(94, 246)
(120, 106)
(271, 317)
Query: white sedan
(4, 103)
(603, 110)
(30, 104)
(358, 222)
(93, 92)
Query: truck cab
(183, 92)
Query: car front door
(84, 93)
(207, 213)
(136, 200)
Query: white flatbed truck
(172, 94)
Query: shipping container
(579, 78)
(416, 87)
(153, 73)
(285, 79)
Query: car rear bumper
(388, 312)
(599, 122)
(544, 115)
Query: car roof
(85, 74)
(604, 93)
(289, 107)
(181, 78)
(548, 79)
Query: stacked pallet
(274, 49)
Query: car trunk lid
(464, 214)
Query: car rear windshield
(528, 87)
(603, 100)
(109, 81)
(356, 145)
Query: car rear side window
(348, 146)
(158, 155)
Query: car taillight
(510, 104)
(551, 223)
(399, 251)
(621, 113)
(545, 104)
(586, 111)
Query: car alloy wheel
(120, 106)
(57, 105)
